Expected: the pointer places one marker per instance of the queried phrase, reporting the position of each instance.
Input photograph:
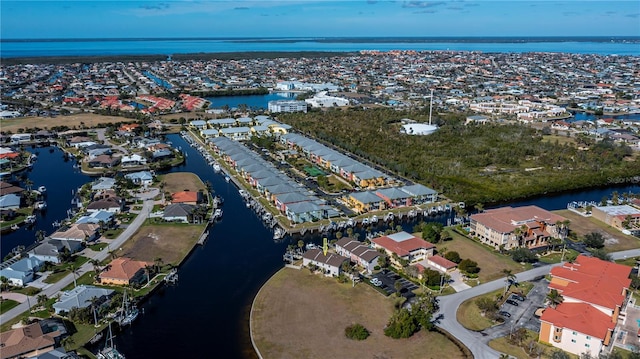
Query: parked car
(504, 313)
(517, 297)
(377, 282)
(512, 302)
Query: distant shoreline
(177, 57)
(372, 39)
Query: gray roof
(366, 197)
(178, 210)
(393, 193)
(292, 197)
(302, 207)
(418, 190)
(79, 297)
(332, 259)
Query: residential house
(49, 250)
(441, 264)
(103, 161)
(103, 183)
(124, 271)
(20, 272)
(10, 201)
(331, 263)
(594, 295)
(187, 197)
(84, 232)
(406, 246)
(527, 226)
(133, 161)
(178, 212)
(80, 297)
(144, 178)
(109, 204)
(307, 211)
(622, 217)
(28, 341)
(420, 194)
(366, 201)
(358, 252)
(98, 217)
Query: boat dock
(203, 238)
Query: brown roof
(506, 219)
(123, 269)
(443, 262)
(23, 340)
(77, 231)
(7, 188)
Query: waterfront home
(81, 297)
(363, 255)
(405, 246)
(10, 201)
(103, 183)
(187, 197)
(19, 138)
(260, 131)
(144, 178)
(287, 106)
(133, 161)
(527, 226)
(103, 161)
(394, 197)
(178, 212)
(7, 188)
(125, 271)
(221, 123)
(621, 217)
(594, 296)
(209, 133)
(307, 211)
(30, 341)
(420, 194)
(105, 217)
(50, 250)
(20, 272)
(282, 200)
(83, 232)
(365, 201)
(80, 142)
(109, 204)
(330, 264)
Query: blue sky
(308, 18)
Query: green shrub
(356, 332)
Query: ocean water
(97, 47)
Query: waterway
(251, 101)
(206, 314)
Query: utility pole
(430, 106)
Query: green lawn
(469, 315)
(7, 304)
(98, 246)
(555, 257)
(26, 290)
(491, 262)
(62, 270)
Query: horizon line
(315, 38)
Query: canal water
(251, 101)
(206, 314)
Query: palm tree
(40, 235)
(509, 280)
(479, 207)
(42, 300)
(74, 271)
(554, 298)
(147, 270)
(96, 267)
(94, 303)
(157, 262)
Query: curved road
(474, 340)
(53, 289)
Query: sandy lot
(79, 120)
(182, 181)
(614, 239)
(171, 242)
(302, 315)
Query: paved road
(53, 289)
(476, 342)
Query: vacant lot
(171, 242)
(614, 239)
(80, 120)
(302, 315)
(182, 181)
(491, 263)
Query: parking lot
(522, 315)
(388, 279)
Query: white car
(377, 282)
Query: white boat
(129, 314)
(365, 221)
(42, 189)
(217, 214)
(374, 219)
(110, 351)
(40, 205)
(279, 233)
(227, 178)
(216, 167)
(14, 227)
(30, 219)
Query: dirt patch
(302, 315)
(171, 242)
(182, 181)
(80, 120)
(614, 239)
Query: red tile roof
(594, 281)
(184, 196)
(123, 269)
(443, 262)
(580, 317)
(506, 219)
(402, 248)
